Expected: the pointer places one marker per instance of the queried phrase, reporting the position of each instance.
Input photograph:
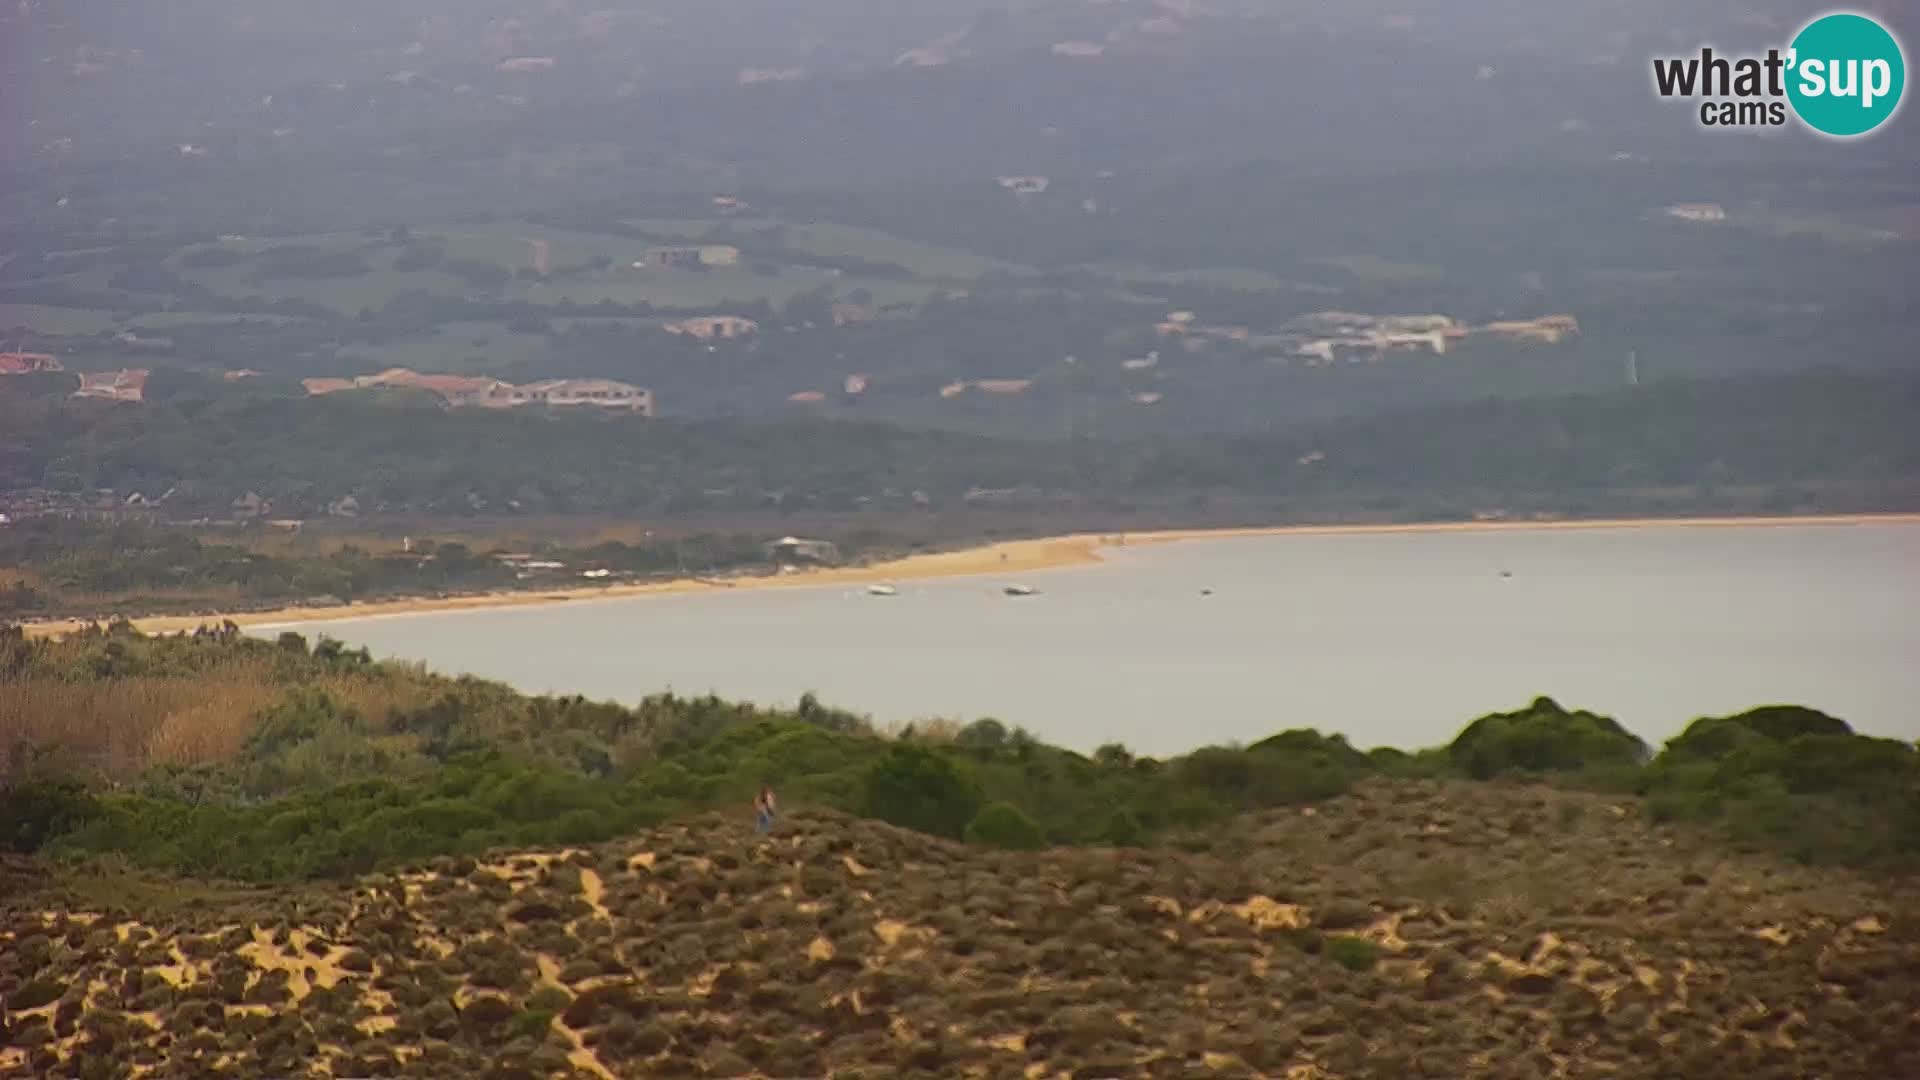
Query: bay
(1391, 638)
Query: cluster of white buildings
(1324, 337)
(482, 392)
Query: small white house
(1697, 212)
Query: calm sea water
(1394, 639)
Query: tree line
(1823, 438)
(352, 765)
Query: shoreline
(1006, 556)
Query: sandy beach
(1011, 557)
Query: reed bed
(122, 726)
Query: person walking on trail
(763, 806)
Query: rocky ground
(1407, 930)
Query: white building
(1697, 212)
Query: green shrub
(920, 788)
(1292, 767)
(37, 809)
(1305, 742)
(34, 995)
(1123, 829)
(1305, 938)
(1421, 764)
(1848, 763)
(1791, 722)
(1543, 737)
(1795, 781)
(1002, 825)
(532, 1024)
(1390, 761)
(986, 735)
(1184, 807)
(1352, 953)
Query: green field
(830, 240)
(1380, 269)
(679, 229)
(924, 260)
(1828, 229)
(346, 296)
(509, 246)
(564, 323)
(161, 320)
(683, 289)
(464, 348)
(1240, 278)
(42, 319)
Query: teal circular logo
(1845, 75)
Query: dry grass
(933, 729)
(122, 726)
(376, 700)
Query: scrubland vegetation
(230, 854)
(223, 756)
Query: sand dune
(1407, 929)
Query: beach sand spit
(1006, 557)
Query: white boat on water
(1020, 590)
(881, 590)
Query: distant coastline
(1011, 557)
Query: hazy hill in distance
(853, 91)
(326, 191)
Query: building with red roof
(26, 363)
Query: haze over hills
(1051, 219)
(677, 95)
(922, 199)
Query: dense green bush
(1796, 781)
(467, 807)
(1292, 767)
(35, 809)
(1352, 953)
(1543, 737)
(1714, 737)
(1002, 825)
(985, 735)
(1123, 829)
(922, 789)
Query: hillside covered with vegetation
(261, 760)
(916, 288)
(164, 506)
(446, 876)
(1824, 436)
